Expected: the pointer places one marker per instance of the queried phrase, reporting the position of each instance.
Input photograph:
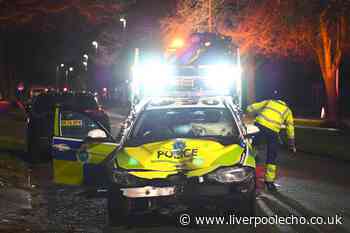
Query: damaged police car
(183, 152)
(174, 152)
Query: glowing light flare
(151, 77)
(223, 77)
(177, 43)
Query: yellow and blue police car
(191, 152)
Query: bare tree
(328, 45)
(192, 16)
(312, 30)
(309, 29)
(19, 12)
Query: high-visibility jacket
(273, 114)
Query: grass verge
(313, 136)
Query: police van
(185, 152)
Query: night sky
(36, 53)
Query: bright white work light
(151, 77)
(222, 77)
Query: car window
(215, 123)
(76, 125)
(43, 104)
(46, 103)
(82, 102)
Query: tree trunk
(331, 94)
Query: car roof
(46, 100)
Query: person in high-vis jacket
(271, 115)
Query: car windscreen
(215, 124)
(46, 103)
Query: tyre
(250, 206)
(118, 207)
(245, 205)
(249, 203)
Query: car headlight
(124, 178)
(231, 174)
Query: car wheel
(244, 206)
(118, 206)
(248, 207)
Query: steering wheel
(199, 130)
(164, 131)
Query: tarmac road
(309, 186)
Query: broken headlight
(231, 174)
(122, 177)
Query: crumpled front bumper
(191, 190)
(148, 191)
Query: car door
(77, 153)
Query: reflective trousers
(272, 139)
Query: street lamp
(123, 20)
(57, 73)
(85, 61)
(95, 44)
(85, 64)
(71, 69)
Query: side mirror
(97, 134)
(252, 130)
